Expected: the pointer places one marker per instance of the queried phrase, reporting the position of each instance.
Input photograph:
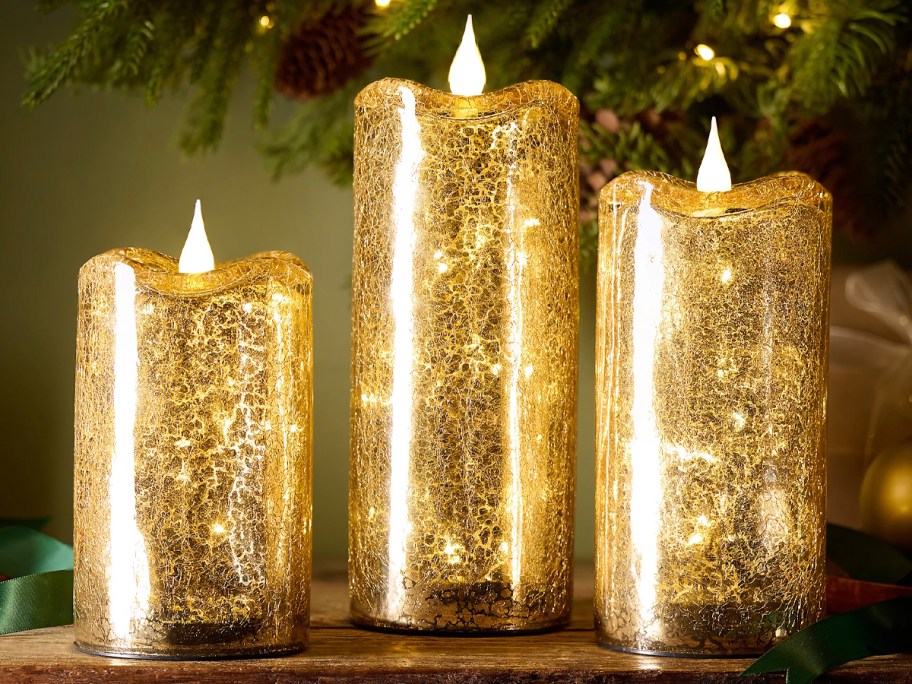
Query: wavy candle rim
(159, 272)
(489, 104)
(754, 195)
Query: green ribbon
(867, 558)
(882, 628)
(879, 629)
(40, 593)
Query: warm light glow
(704, 52)
(266, 22)
(714, 175)
(467, 72)
(129, 586)
(782, 20)
(645, 445)
(382, 4)
(196, 257)
(404, 200)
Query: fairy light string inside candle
(196, 256)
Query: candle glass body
(711, 360)
(193, 457)
(464, 361)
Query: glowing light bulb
(467, 72)
(382, 4)
(782, 20)
(704, 52)
(266, 22)
(196, 257)
(714, 175)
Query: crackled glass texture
(711, 360)
(193, 457)
(464, 370)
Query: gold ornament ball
(886, 497)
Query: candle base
(199, 641)
(673, 654)
(476, 609)
(208, 633)
(228, 654)
(701, 631)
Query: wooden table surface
(339, 652)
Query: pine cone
(822, 152)
(322, 55)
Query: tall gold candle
(193, 456)
(464, 371)
(711, 390)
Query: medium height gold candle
(193, 455)
(711, 391)
(464, 371)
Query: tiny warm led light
(726, 275)
(714, 175)
(467, 72)
(782, 20)
(695, 538)
(196, 257)
(266, 21)
(704, 51)
(452, 552)
(218, 528)
(382, 4)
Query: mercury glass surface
(711, 361)
(193, 457)
(464, 362)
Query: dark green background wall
(92, 171)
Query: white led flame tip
(196, 256)
(714, 175)
(467, 72)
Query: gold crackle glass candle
(711, 391)
(464, 371)
(193, 455)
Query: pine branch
(836, 59)
(126, 68)
(284, 14)
(47, 73)
(886, 115)
(399, 20)
(544, 19)
(315, 135)
(631, 147)
(588, 244)
(714, 9)
(165, 64)
(207, 111)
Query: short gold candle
(464, 361)
(711, 389)
(193, 457)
